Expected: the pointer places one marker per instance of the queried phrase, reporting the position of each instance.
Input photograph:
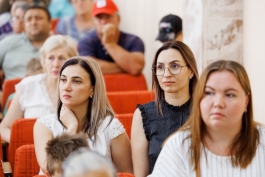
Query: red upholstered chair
(125, 175)
(21, 134)
(126, 120)
(125, 102)
(124, 82)
(26, 163)
(8, 88)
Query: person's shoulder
(149, 105)
(261, 129)
(34, 79)
(13, 38)
(48, 120)
(89, 36)
(130, 36)
(89, 39)
(180, 137)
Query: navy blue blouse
(158, 127)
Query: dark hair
(58, 148)
(40, 7)
(188, 57)
(99, 107)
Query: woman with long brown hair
(220, 138)
(174, 78)
(83, 108)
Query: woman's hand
(69, 120)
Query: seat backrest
(26, 163)
(126, 120)
(125, 175)
(125, 102)
(8, 88)
(124, 82)
(21, 134)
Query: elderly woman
(80, 24)
(174, 78)
(79, 164)
(83, 107)
(35, 95)
(220, 138)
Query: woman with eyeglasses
(174, 78)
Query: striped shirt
(174, 160)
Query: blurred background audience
(80, 24)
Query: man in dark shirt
(114, 50)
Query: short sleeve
(137, 45)
(20, 91)
(145, 121)
(117, 128)
(47, 120)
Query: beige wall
(254, 53)
(141, 17)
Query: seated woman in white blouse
(83, 107)
(35, 95)
(220, 138)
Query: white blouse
(106, 132)
(174, 160)
(33, 96)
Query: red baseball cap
(104, 7)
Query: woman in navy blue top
(174, 77)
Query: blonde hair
(58, 41)
(99, 107)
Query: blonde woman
(83, 107)
(35, 95)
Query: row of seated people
(217, 108)
(114, 50)
(123, 102)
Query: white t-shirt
(33, 97)
(106, 132)
(174, 160)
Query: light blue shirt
(15, 52)
(61, 8)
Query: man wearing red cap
(114, 50)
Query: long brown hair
(243, 148)
(99, 107)
(188, 57)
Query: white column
(254, 53)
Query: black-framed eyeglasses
(173, 68)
